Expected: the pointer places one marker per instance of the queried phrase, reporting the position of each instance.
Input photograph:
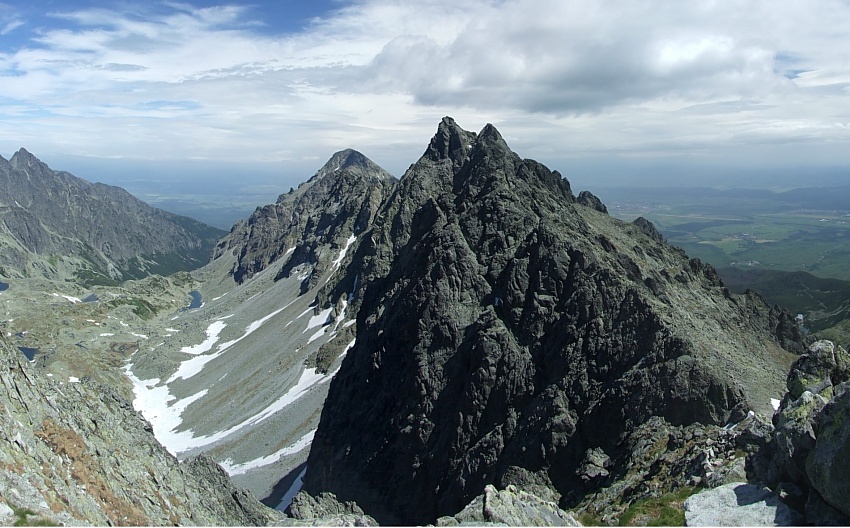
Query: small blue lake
(4, 286)
(196, 300)
(28, 352)
(90, 298)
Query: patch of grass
(27, 517)
(589, 519)
(665, 510)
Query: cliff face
(53, 224)
(77, 453)
(505, 331)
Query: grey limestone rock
(509, 507)
(739, 504)
(325, 510)
(828, 462)
(78, 453)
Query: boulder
(739, 504)
(509, 507)
(829, 459)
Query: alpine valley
(472, 343)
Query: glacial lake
(28, 352)
(90, 298)
(4, 286)
(196, 300)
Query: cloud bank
(753, 82)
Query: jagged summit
(23, 157)
(505, 331)
(339, 201)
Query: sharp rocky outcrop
(507, 334)
(55, 225)
(805, 455)
(76, 453)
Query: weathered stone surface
(828, 462)
(501, 326)
(77, 453)
(7, 515)
(818, 370)
(809, 449)
(325, 510)
(739, 504)
(509, 507)
(588, 199)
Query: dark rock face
(589, 199)
(341, 199)
(504, 331)
(50, 213)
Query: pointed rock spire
(450, 142)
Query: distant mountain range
(57, 225)
(400, 350)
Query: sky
(262, 93)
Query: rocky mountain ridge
(505, 330)
(492, 348)
(59, 226)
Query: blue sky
(268, 90)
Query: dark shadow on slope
(283, 485)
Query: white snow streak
(72, 299)
(158, 406)
(319, 320)
(240, 469)
(195, 365)
(344, 250)
(775, 403)
(212, 338)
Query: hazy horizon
(644, 91)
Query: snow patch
(212, 338)
(73, 379)
(106, 334)
(141, 336)
(317, 335)
(343, 251)
(240, 469)
(192, 367)
(775, 403)
(319, 320)
(74, 300)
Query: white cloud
(631, 78)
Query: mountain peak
(23, 158)
(352, 161)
